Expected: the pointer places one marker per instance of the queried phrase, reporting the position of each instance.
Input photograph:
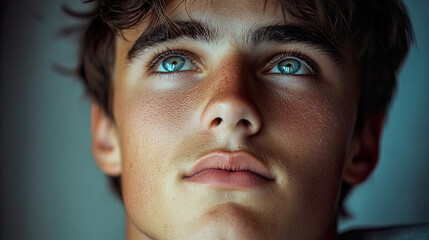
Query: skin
(303, 129)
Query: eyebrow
(284, 34)
(198, 31)
(163, 33)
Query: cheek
(152, 120)
(153, 128)
(148, 128)
(312, 133)
(310, 124)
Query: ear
(105, 142)
(363, 152)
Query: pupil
(290, 66)
(174, 63)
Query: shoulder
(408, 232)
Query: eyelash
(295, 54)
(158, 56)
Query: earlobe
(362, 157)
(105, 142)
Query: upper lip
(230, 161)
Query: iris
(173, 63)
(289, 66)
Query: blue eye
(175, 64)
(292, 66)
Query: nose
(231, 113)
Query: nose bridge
(232, 77)
(230, 109)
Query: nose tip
(231, 116)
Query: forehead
(229, 11)
(230, 17)
(233, 16)
(236, 23)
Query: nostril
(216, 122)
(246, 123)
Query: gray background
(52, 189)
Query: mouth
(229, 170)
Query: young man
(240, 119)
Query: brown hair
(378, 32)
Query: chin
(228, 221)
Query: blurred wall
(398, 191)
(52, 189)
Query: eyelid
(296, 55)
(159, 56)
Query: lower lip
(225, 179)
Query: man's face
(239, 91)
